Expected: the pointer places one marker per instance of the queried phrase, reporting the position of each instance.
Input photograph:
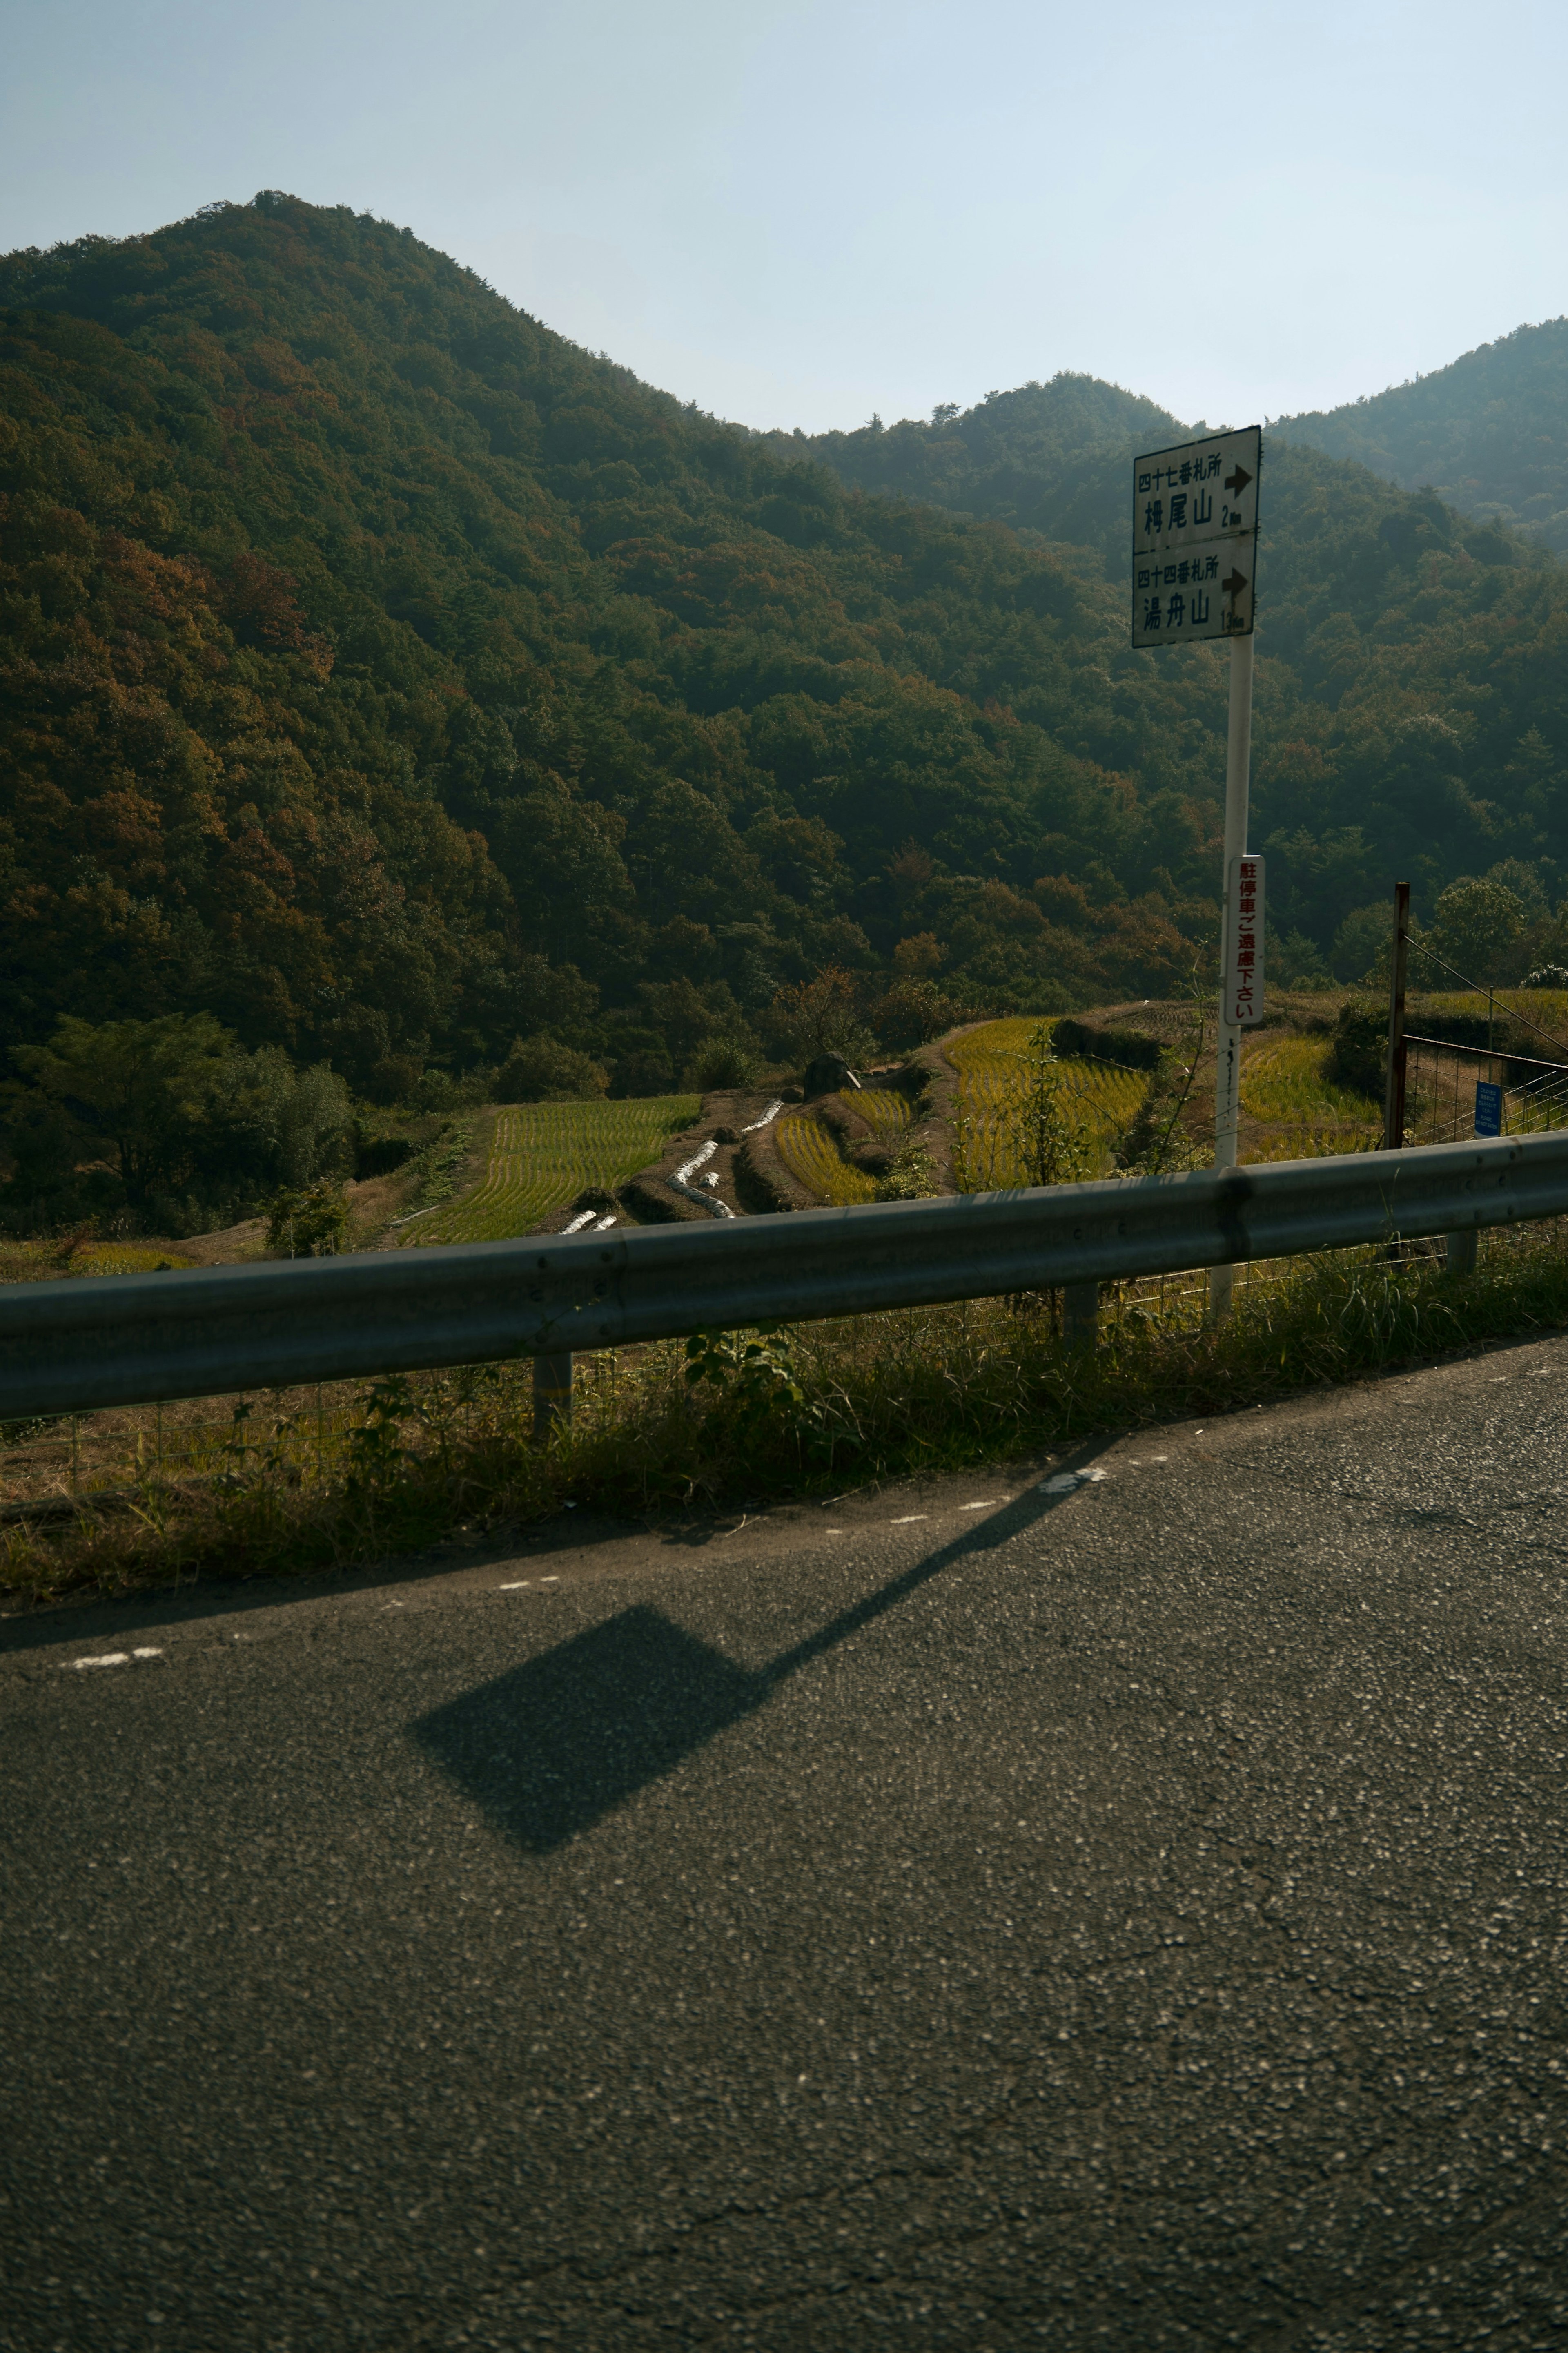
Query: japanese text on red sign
(1244, 978)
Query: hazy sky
(796, 212)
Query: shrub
(1131, 1048)
(722, 1062)
(308, 1224)
(910, 1176)
(915, 1010)
(1359, 1056)
(378, 1155)
(541, 1069)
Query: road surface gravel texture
(1035, 1910)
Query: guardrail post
(1462, 1251)
(1081, 1313)
(551, 1395)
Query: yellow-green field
(1301, 1114)
(28, 1262)
(810, 1151)
(1545, 1009)
(810, 1154)
(543, 1154)
(885, 1109)
(991, 1063)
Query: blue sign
(1489, 1109)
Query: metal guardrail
(129, 1339)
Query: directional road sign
(1194, 540)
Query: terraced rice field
(991, 1063)
(36, 1261)
(1545, 1009)
(810, 1154)
(543, 1154)
(886, 1111)
(1301, 1112)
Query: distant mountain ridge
(1045, 458)
(1489, 433)
(1052, 458)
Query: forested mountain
(391, 679)
(375, 662)
(1408, 714)
(1489, 434)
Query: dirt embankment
(709, 1167)
(935, 1082)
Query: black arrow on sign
(1233, 585)
(1237, 481)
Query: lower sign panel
(1207, 592)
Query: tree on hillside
(175, 1112)
(138, 1093)
(823, 1015)
(1478, 929)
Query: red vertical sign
(1244, 971)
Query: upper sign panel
(1195, 539)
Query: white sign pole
(1194, 578)
(1228, 1078)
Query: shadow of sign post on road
(557, 1742)
(552, 1744)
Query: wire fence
(1441, 1078)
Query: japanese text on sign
(1244, 928)
(1194, 540)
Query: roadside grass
(297, 1486)
(542, 1156)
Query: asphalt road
(1126, 1914)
